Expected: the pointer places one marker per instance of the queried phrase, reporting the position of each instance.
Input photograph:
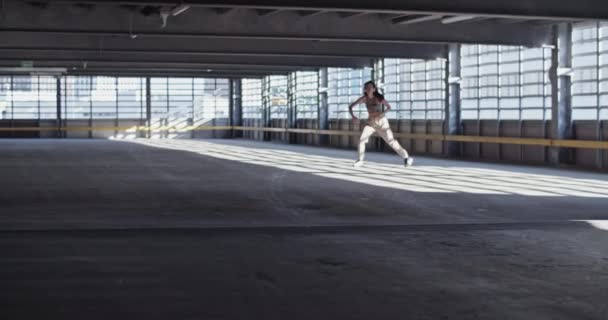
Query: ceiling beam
(175, 70)
(456, 19)
(414, 19)
(390, 17)
(103, 51)
(541, 9)
(227, 60)
(348, 15)
(310, 13)
(267, 12)
(77, 41)
(119, 73)
(126, 63)
(146, 34)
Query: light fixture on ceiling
(179, 9)
(455, 19)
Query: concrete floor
(218, 229)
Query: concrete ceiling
(255, 37)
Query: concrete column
(291, 107)
(236, 107)
(265, 109)
(231, 106)
(58, 117)
(90, 107)
(561, 98)
(323, 110)
(148, 109)
(452, 108)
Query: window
(159, 100)
(505, 82)
(345, 86)
(28, 97)
(104, 94)
(76, 97)
(101, 97)
(23, 83)
(275, 96)
(131, 98)
(590, 71)
(306, 94)
(415, 88)
(182, 102)
(211, 99)
(252, 98)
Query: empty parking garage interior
(195, 160)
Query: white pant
(380, 126)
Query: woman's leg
(367, 132)
(387, 134)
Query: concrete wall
(209, 134)
(278, 136)
(83, 134)
(307, 139)
(588, 130)
(19, 124)
(506, 128)
(254, 135)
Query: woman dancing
(377, 123)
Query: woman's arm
(388, 106)
(352, 105)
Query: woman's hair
(377, 94)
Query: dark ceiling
(240, 38)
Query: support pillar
(236, 107)
(266, 136)
(58, 116)
(451, 122)
(323, 110)
(148, 109)
(561, 98)
(291, 107)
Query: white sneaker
(408, 162)
(358, 164)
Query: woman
(376, 122)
